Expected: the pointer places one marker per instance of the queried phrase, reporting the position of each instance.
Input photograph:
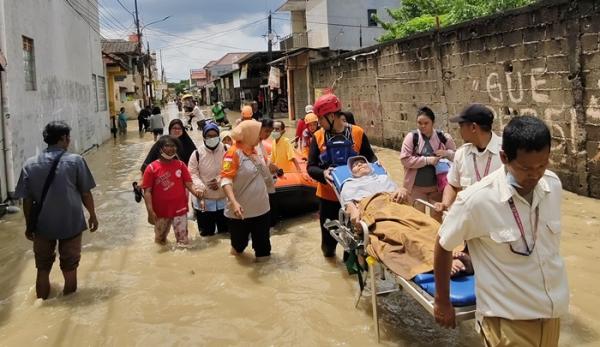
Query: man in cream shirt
(511, 223)
(478, 157)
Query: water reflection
(133, 292)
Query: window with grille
(102, 94)
(370, 14)
(95, 86)
(29, 63)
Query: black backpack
(415, 139)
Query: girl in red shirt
(165, 183)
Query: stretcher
(421, 288)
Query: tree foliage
(180, 87)
(420, 15)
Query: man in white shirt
(511, 223)
(479, 156)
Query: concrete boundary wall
(542, 60)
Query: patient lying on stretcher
(401, 236)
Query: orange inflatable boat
(295, 191)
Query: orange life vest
(325, 191)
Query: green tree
(180, 87)
(415, 16)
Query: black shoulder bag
(36, 208)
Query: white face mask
(166, 156)
(211, 142)
(276, 135)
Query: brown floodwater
(134, 293)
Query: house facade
(320, 29)
(53, 71)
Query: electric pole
(139, 52)
(150, 81)
(360, 36)
(269, 36)
(270, 57)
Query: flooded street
(135, 293)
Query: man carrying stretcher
(401, 237)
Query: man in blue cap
(205, 168)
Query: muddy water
(135, 293)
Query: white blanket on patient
(356, 189)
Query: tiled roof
(118, 46)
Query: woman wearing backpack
(421, 151)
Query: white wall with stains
(67, 54)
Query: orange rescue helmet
(311, 118)
(247, 112)
(326, 104)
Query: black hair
(349, 117)
(167, 139)
(485, 127)
(280, 122)
(156, 110)
(122, 109)
(427, 112)
(526, 133)
(267, 123)
(54, 130)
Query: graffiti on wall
(512, 88)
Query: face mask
(212, 142)
(512, 181)
(276, 135)
(166, 156)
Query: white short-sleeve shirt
(462, 172)
(510, 285)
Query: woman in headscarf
(184, 151)
(205, 168)
(177, 130)
(243, 178)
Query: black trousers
(208, 221)
(328, 210)
(257, 228)
(275, 211)
(141, 124)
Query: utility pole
(270, 57)
(150, 81)
(360, 36)
(162, 68)
(139, 52)
(270, 49)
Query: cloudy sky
(197, 31)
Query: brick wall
(543, 60)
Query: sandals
(137, 192)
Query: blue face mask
(512, 180)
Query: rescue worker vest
(325, 191)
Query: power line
(191, 40)
(85, 19)
(324, 23)
(115, 19)
(125, 8)
(196, 41)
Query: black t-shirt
(257, 115)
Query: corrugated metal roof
(118, 46)
(230, 58)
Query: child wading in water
(165, 182)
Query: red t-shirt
(167, 181)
